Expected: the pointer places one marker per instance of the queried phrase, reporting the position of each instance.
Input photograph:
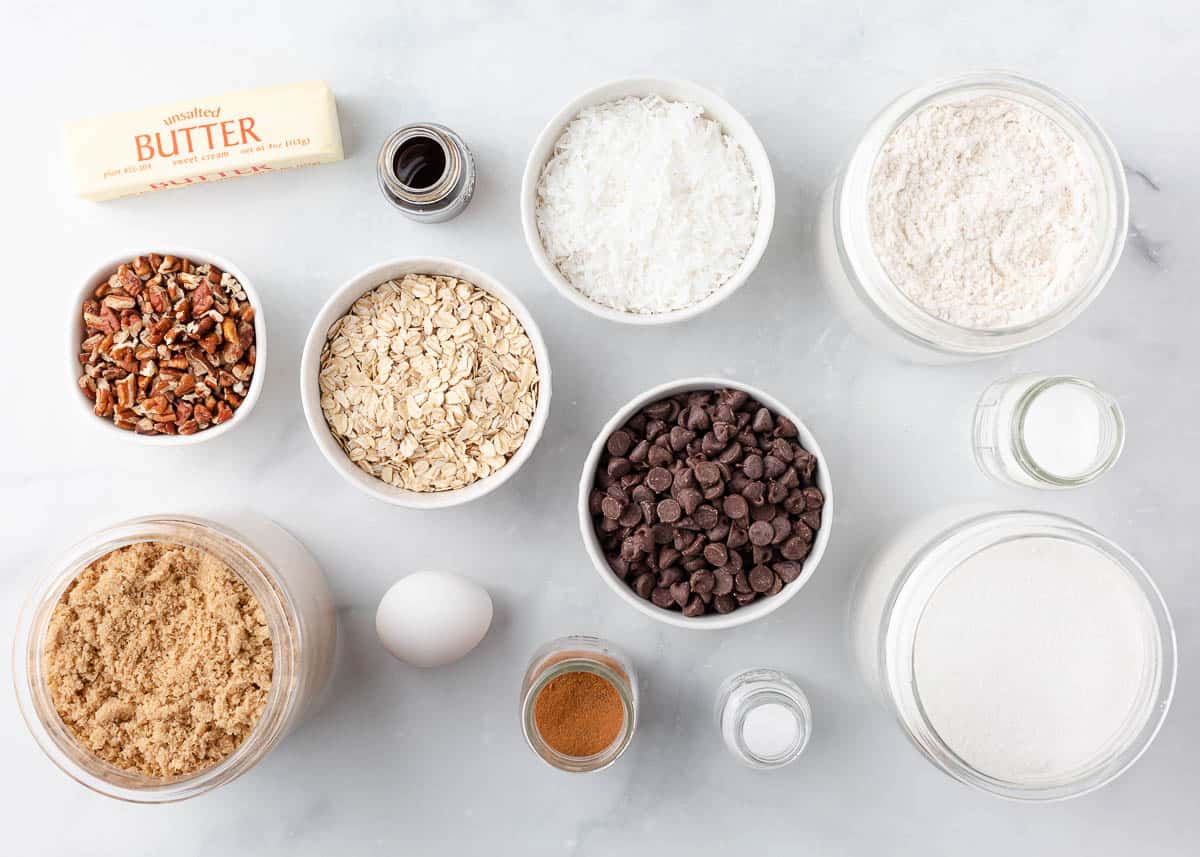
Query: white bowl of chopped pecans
(425, 382)
(167, 347)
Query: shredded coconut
(983, 212)
(645, 205)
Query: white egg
(432, 618)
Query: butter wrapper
(203, 141)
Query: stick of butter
(202, 141)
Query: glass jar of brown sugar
(579, 703)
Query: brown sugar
(158, 659)
(579, 713)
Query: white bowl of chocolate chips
(705, 503)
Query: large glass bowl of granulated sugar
(1022, 652)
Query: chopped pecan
(167, 342)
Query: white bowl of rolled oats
(167, 347)
(425, 382)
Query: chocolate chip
(707, 473)
(812, 519)
(681, 437)
(670, 576)
(706, 517)
(765, 512)
(658, 457)
(725, 604)
(668, 556)
(694, 608)
(761, 578)
(661, 597)
(813, 499)
(716, 554)
(752, 466)
(718, 533)
(762, 423)
(681, 592)
(644, 585)
(760, 555)
(638, 454)
(690, 499)
(735, 506)
(703, 580)
(741, 582)
(619, 443)
(611, 508)
(744, 598)
(669, 511)
(785, 427)
(794, 548)
(630, 516)
(731, 453)
(755, 493)
(723, 582)
(698, 419)
(803, 530)
(760, 533)
(737, 537)
(659, 479)
(618, 467)
(773, 466)
(788, 571)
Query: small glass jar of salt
(1047, 431)
(764, 718)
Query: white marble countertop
(405, 761)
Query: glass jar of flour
(977, 214)
(1023, 653)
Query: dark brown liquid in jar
(419, 163)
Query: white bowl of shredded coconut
(647, 201)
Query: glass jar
(770, 694)
(426, 171)
(878, 310)
(1047, 431)
(890, 601)
(579, 654)
(287, 583)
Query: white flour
(983, 212)
(1031, 658)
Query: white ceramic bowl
(75, 336)
(310, 394)
(716, 108)
(709, 621)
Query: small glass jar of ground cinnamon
(579, 703)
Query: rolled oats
(428, 383)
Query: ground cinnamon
(579, 713)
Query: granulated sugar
(983, 212)
(1031, 659)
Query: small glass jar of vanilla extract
(426, 171)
